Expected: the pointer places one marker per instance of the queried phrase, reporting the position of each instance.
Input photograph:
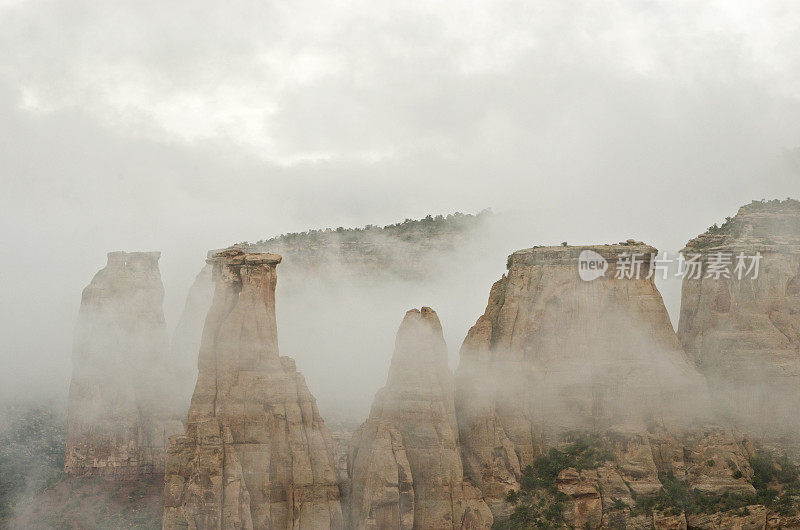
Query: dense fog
(181, 127)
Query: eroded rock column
(119, 413)
(256, 453)
(405, 463)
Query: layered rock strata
(554, 354)
(405, 464)
(119, 412)
(740, 315)
(256, 453)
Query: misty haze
(442, 265)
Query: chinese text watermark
(630, 266)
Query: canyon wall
(740, 316)
(256, 453)
(405, 464)
(120, 411)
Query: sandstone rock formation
(742, 327)
(405, 465)
(256, 453)
(554, 355)
(119, 416)
(186, 338)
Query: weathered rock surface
(405, 464)
(256, 453)
(554, 355)
(119, 414)
(743, 330)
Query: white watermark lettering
(629, 266)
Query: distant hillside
(408, 249)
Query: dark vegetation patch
(775, 480)
(538, 503)
(36, 493)
(32, 442)
(408, 230)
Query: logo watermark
(630, 266)
(591, 265)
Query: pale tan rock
(120, 412)
(635, 465)
(586, 505)
(753, 518)
(256, 453)
(405, 464)
(744, 334)
(553, 353)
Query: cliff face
(118, 418)
(743, 330)
(256, 453)
(554, 355)
(405, 464)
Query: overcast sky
(184, 126)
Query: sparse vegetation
(538, 503)
(774, 479)
(733, 228)
(763, 204)
(408, 230)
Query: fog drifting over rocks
(187, 126)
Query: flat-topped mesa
(772, 226)
(740, 315)
(570, 255)
(404, 463)
(119, 417)
(554, 353)
(256, 453)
